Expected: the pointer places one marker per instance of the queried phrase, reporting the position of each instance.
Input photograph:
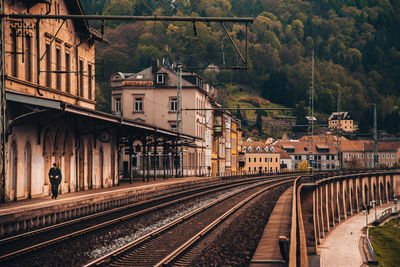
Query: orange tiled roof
(354, 145)
(301, 146)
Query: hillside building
(341, 120)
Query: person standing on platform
(55, 179)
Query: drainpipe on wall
(3, 114)
(48, 10)
(78, 77)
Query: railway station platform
(268, 251)
(24, 215)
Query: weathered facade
(49, 86)
(150, 96)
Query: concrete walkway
(340, 247)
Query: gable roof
(354, 145)
(344, 115)
(301, 147)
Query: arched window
(28, 167)
(13, 167)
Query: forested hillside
(356, 42)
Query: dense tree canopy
(356, 42)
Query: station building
(48, 68)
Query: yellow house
(260, 157)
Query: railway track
(168, 245)
(30, 242)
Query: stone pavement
(340, 247)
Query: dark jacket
(55, 175)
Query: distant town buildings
(321, 153)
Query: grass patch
(386, 242)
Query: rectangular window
(173, 127)
(118, 110)
(173, 104)
(249, 169)
(255, 159)
(48, 66)
(260, 159)
(138, 104)
(67, 74)
(249, 159)
(160, 78)
(14, 57)
(255, 169)
(90, 78)
(81, 78)
(58, 68)
(28, 58)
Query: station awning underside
(42, 109)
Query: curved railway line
(35, 242)
(169, 244)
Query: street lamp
(366, 219)
(374, 203)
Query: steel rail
(112, 221)
(168, 261)
(134, 244)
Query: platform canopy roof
(42, 109)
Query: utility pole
(311, 113)
(2, 114)
(339, 131)
(179, 116)
(375, 164)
